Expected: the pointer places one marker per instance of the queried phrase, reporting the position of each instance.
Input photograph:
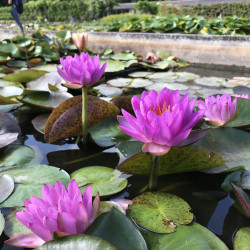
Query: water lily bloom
(81, 70)
(80, 40)
(219, 110)
(243, 96)
(61, 211)
(162, 120)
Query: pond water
(212, 207)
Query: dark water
(212, 207)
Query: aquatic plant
(80, 40)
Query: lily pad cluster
(184, 24)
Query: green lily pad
(17, 64)
(194, 236)
(160, 212)
(24, 75)
(5, 59)
(117, 229)
(7, 138)
(106, 206)
(123, 56)
(18, 154)
(46, 100)
(113, 65)
(232, 145)
(42, 82)
(8, 107)
(77, 242)
(13, 226)
(158, 65)
(108, 133)
(7, 48)
(108, 91)
(120, 82)
(210, 81)
(1, 223)
(140, 74)
(6, 100)
(140, 83)
(40, 121)
(178, 159)
(29, 180)
(242, 239)
(6, 187)
(104, 180)
(47, 67)
(4, 83)
(186, 75)
(161, 75)
(11, 91)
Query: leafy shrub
(146, 7)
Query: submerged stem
(153, 176)
(84, 115)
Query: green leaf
(178, 159)
(7, 48)
(158, 65)
(7, 138)
(117, 229)
(113, 66)
(108, 133)
(104, 180)
(140, 74)
(119, 82)
(6, 187)
(29, 180)
(11, 91)
(77, 242)
(24, 75)
(242, 239)
(1, 223)
(17, 64)
(160, 212)
(140, 83)
(210, 81)
(39, 122)
(194, 236)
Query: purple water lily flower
(243, 96)
(81, 70)
(60, 211)
(162, 120)
(219, 110)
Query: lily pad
(210, 81)
(24, 75)
(77, 242)
(29, 180)
(7, 138)
(6, 187)
(117, 229)
(194, 236)
(42, 82)
(160, 212)
(4, 83)
(158, 65)
(123, 56)
(48, 67)
(113, 65)
(108, 90)
(17, 64)
(140, 83)
(242, 239)
(13, 226)
(140, 74)
(40, 121)
(104, 180)
(108, 133)
(11, 91)
(161, 75)
(120, 82)
(1, 223)
(46, 100)
(106, 206)
(178, 159)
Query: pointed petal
(155, 149)
(94, 209)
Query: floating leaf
(7, 138)
(210, 81)
(6, 187)
(140, 74)
(7, 48)
(113, 66)
(24, 75)
(194, 236)
(104, 180)
(46, 100)
(1, 223)
(106, 206)
(79, 241)
(178, 159)
(17, 64)
(158, 65)
(29, 180)
(11, 91)
(123, 56)
(161, 75)
(65, 121)
(48, 67)
(108, 90)
(140, 83)
(242, 239)
(160, 212)
(124, 102)
(40, 121)
(119, 82)
(117, 229)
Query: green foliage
(212, 10)
(185, 24)
(5, 13)
(146, 7)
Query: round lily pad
(104, 180)
(17, 64)
(79, 241)
(242, 239)
(140, 83)
(161, 75)
(160, 212)
(140, 74)
(24, 75)
(119, 82)
(186, 75)
(173, 86)
(47, 67)
(113, 65)
(106, 206)
(40, 121)
(210, 81)
(7, 138)
(11, 91)
(4, 83)
(108, 91)
(6, 187)
(1, 223)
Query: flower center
(161, 109)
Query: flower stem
(153, 176)
(84, 115)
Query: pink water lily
(80, 40)
(81, 70)
(61, 211)
(219, 110)
(162, 120)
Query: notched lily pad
(160, 212)
(104, 180)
